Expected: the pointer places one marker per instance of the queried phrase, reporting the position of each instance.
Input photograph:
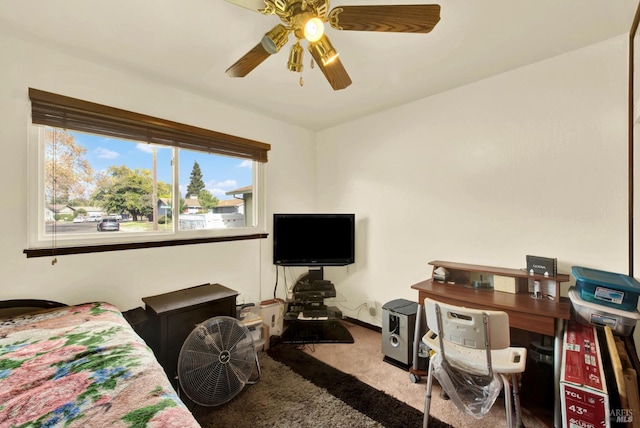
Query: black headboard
(10, 308)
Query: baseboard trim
(364, 324)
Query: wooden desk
(525, 312)
(536, 315)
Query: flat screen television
(313, 239)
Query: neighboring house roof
(192, 203)
(88, 209)
(164, 202)
(64, 208)
(56, 208)
(230, 203)
(240, 191)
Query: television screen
(313, 239)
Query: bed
(81, 366)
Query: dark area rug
(282, 399)
(377, 405)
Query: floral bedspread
(83, 366)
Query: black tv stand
(323, 326)
(316, 331)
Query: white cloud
(144, 147)
(245, 164)
(103, 153)
(226, 184)
(219, 188)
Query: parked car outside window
(108, 224)
(94, 217)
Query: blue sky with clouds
(219, 173)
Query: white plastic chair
(478, 343)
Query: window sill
(63, 251)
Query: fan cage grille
(216, 361)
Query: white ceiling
(190, 43)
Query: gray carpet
(282, 398)
(297, 390)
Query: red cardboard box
(583, 387)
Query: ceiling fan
(305, 20)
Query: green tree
(207, 200)
(164, 190)
(196, 185)
(79, 202)
(123, 190)
(67, 173)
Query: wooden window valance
(78, 115)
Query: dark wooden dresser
(173, 316)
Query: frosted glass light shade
(313, 29)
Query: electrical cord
(357, 308)
(286, 285)
(275, 287)
(294, 280)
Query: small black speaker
(398, 330)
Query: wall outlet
(371, 304)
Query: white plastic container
(272, 312)
(251, 319)
(621, 322)
(255, 328)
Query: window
(163, 183)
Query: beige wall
(124, 277)
(532, 161)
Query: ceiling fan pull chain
(301, 81)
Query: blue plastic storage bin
(607, 288)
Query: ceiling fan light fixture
(306, 20)
(313, 29)
(325, 50)
(295, 58)
(275, 39)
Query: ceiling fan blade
(414, 18)
(255, 5)
(248, 62)
(334, 71)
